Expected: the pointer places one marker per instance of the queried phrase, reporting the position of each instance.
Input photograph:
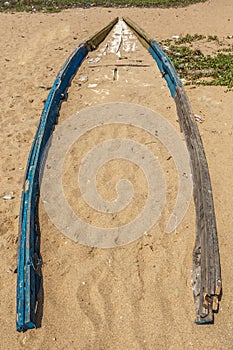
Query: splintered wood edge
(95, 40)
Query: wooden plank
(206, 253)
(28, 227)
(207, 281)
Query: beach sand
(138, 296)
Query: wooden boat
(207, 283)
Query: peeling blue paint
(27, 281)
(165, 66)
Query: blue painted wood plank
(26, 279)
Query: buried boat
(207, 283)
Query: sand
(138, 296)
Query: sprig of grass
(213, 38)
(189, 38)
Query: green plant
(55, 5)
(197, 68)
